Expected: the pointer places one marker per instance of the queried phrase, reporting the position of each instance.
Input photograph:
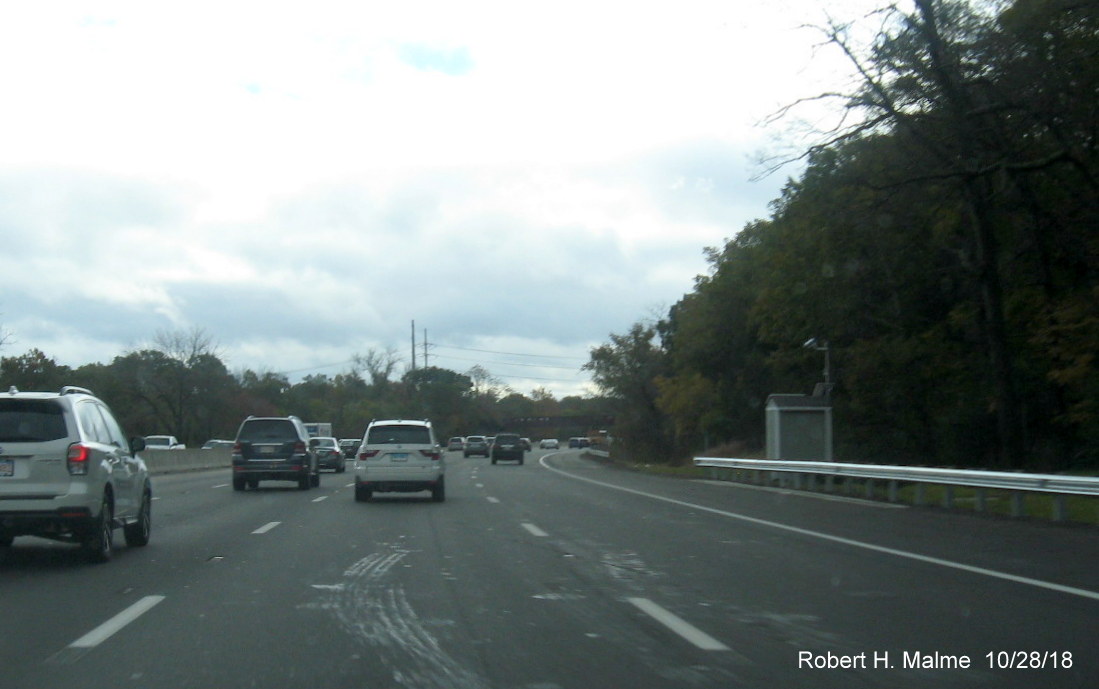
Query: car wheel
(362, 494)
(239, 483)
(438, 493)
(137, 533)
(493, 460)
(304, 481)
(99, 543)
(315, 479)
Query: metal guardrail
(1057, 485)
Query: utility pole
(413, 345)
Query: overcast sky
(302, 180)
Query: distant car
(526, 443)
(400, 457)
(329, 454)
(549, 444)
(476, 445)
(508, 447)
(217, 444)
(574, 442)
(163, 442)
(69, 473)
(274, 448)
(456, 443)
(349, 446)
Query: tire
(362, 494)
(137, 533)
(99, 543)
(304, 482)
(315, 480)
(239, 483)
(438, 493)
(493, 460)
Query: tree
(626, 370)
(34, 371)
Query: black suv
(508, 447)
(274, 449)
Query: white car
(68, 472)
(163, 442)
(400, 456)
(549, 444)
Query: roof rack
(74, 390)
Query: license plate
(267, 450)
(7, 467)
(398, 456)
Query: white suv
(400, 456)
(68, 472)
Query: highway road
(559, 573)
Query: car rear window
(31, 421)
(267, 430)
(398, 435)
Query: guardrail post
(829, 483)
(948, 497)
(920, 488)
(869, 488)
(981, 499)
(1059, 512)
(1018, 509)
(892, 491)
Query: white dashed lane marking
(266, 527)
(534, 530)
(678, 625)
(113, 625)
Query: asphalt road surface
(558, 573)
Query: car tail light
(431, 453)
(299, 447)
(77, 459)
(238, 448)
(367, 454)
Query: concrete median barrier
(174, 461)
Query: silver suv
(68, 472)
(400, 457)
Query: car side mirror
(137, 444)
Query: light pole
(822, 346)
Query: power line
(508, 363)
(489, 351)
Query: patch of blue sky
(451, 61)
